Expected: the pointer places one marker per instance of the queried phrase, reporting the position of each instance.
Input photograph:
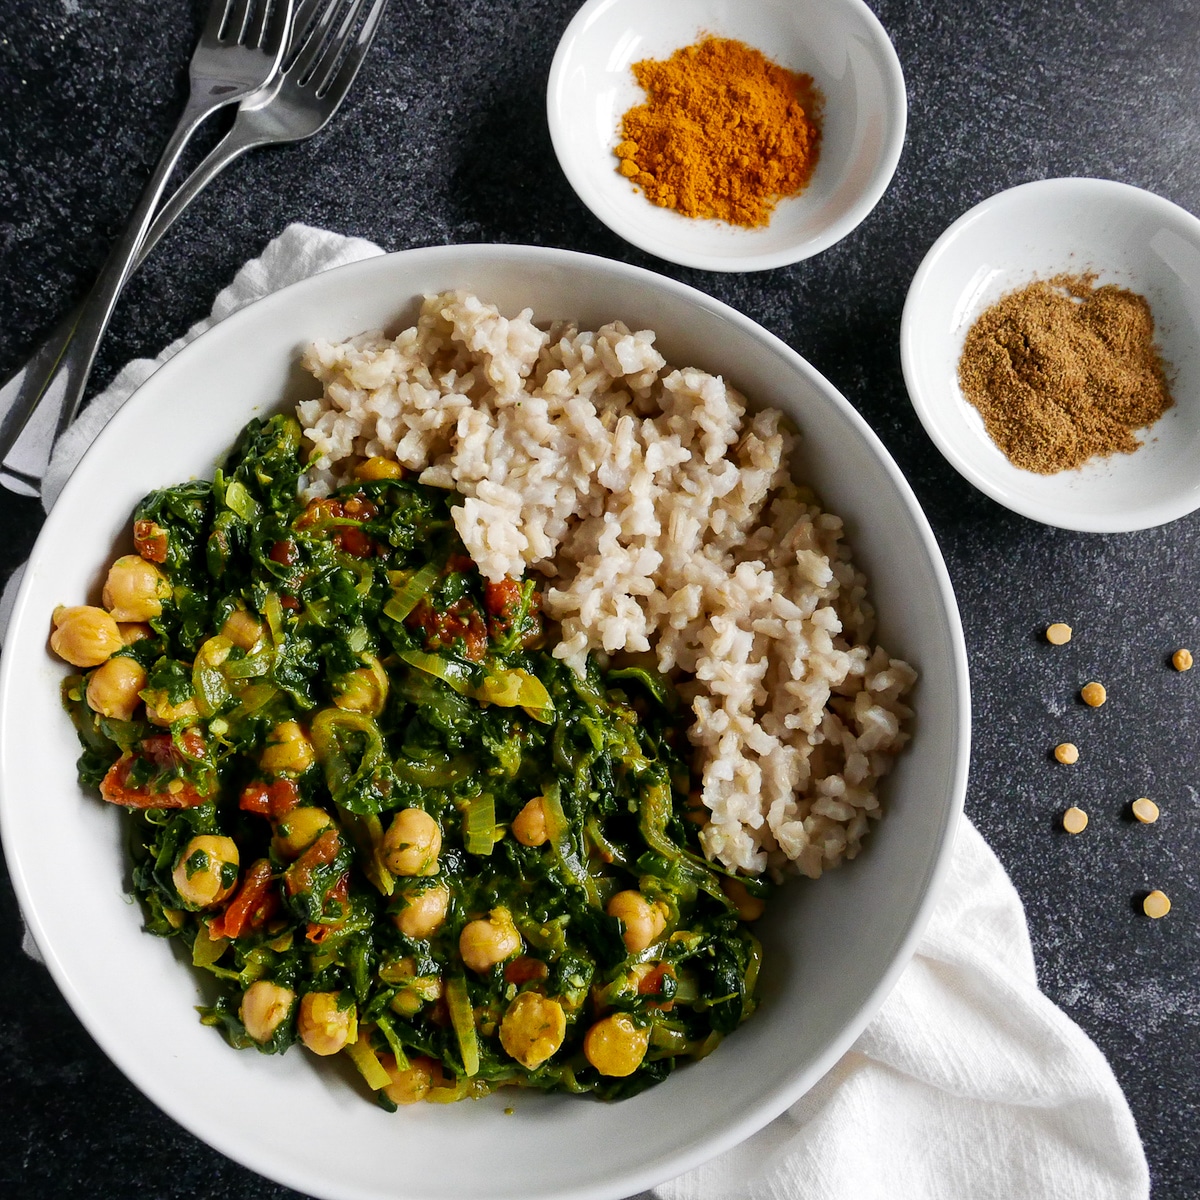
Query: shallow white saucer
(840, 43)
(1123, 235)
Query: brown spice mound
(1062, 371)
(725, 132)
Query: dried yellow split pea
(1058, 634)
(1094, 694)
(1066, 752)
(1145, 810)
(1181, 660)
(1156, 904)
(1075, 820)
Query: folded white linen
(968, 1085)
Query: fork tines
(324, 43)
(254, 23)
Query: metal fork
(319, 68)
(320, 65)
(240, 51)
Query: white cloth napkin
(968, 1085)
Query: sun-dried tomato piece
(461, 620)
(340, 895)
(115, 788)
(271, 800)
(284, 552)
(299, 876)
(651, 984)
(150, 540)
(352, 540)
(359, 508)
(255, 903)
(162, 751)
(501, 599)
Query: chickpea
(406, 1002)
(265, 1006)
(643, 922)
(533, 1029)
(135, 589)
(364, 689)
(412, 843)
(407, 1087)
(423, 913)
(413, 991)
(490, 940)
(207, 870)
(749, 907)
(160, 711)
(379, 468)
(324, 1027)
(298, 830)
(529, 825)
(134, 631)
(84, 636)
(113, 688)
(615, 1045)
(243, 629)
(288, 751)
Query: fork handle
(232, 146)
(55, 379)
(20, 392)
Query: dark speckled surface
(445, 140)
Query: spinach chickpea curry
(382, 815)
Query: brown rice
(662, 514)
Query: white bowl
(840, 43)
(833, 950)
(1125, 236)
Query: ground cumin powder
(724, 132)
(1063, 371)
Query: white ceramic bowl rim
(26, 647)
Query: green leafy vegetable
(402, 763)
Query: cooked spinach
(361, 777)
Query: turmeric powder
(724, 132)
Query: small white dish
(840, 43)
(1123, 235)
(833, 949)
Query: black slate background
(445, 140)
